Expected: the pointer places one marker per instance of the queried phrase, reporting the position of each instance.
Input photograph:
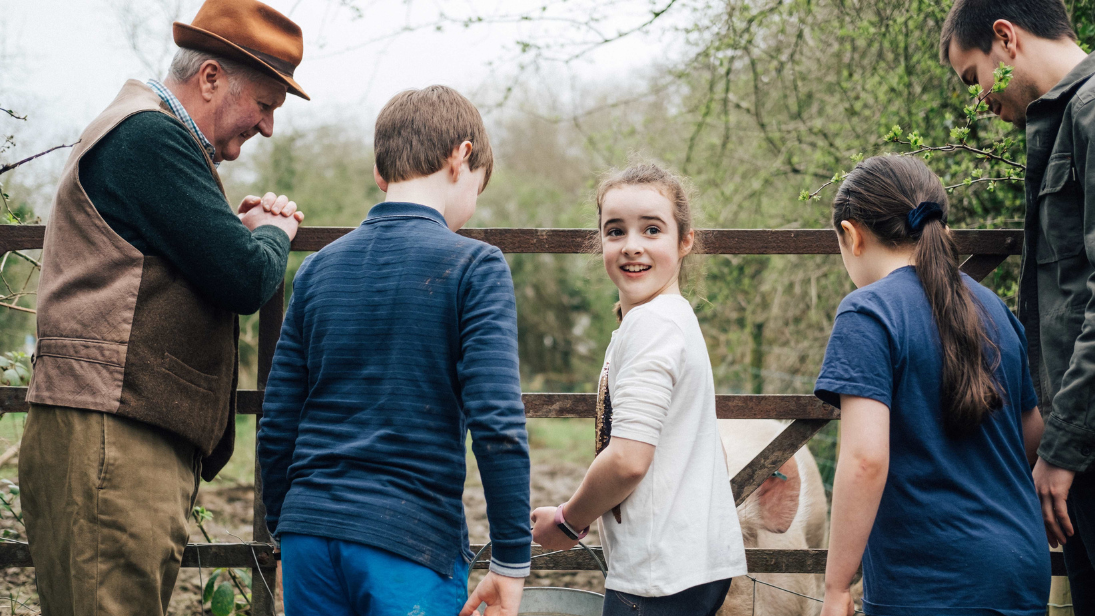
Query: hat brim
(190, 37)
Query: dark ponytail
(880, 193)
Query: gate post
(270, 317)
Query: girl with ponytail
(940, 424)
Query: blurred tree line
(771, 98)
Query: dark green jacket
(1057, 285)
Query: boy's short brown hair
(417, 131)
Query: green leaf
(244, 576)
(975, 89)
(915, 140)
(960, 134)
(857, 158)
(224, 600)
(1002, 76)
(210, 586)
(804, 195)
(11, 377)
(5, 363)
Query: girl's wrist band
(568, 530)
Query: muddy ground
(231, 504)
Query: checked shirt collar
(182, 115)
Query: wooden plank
(728, 406)
(714, 241)
(758, 560)
(779, 451)
(212, 555)
(21, 237)
(240, 555)
(979, 267)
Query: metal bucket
(545, 601)
(548, 601)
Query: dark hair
(879, 194)
(417, 131)
(670, 185)
(970, 22)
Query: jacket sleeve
(490, 385)
(1069, 439)
(286, 392)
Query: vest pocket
(198, 379)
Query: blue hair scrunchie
(926, 211)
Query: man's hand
(838, 603)
(501, 594)
(277, 211)
(271, 203)
(1053, 484)
(546, 533)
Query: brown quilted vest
(120, 332)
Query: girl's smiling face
(640, 244)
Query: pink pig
(789, 513)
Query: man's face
(975, 67)
(242, 115)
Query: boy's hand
(546, 533)
(501, 594)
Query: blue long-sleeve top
(399, 339)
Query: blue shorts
(328, 577)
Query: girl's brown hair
(879, 194)
(669, 184)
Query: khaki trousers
(106, 501)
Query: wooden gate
(988, 249)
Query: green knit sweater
(150, 181)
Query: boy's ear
(461, 155)
(381, 183)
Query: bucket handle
(592, 555)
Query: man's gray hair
(186, 63)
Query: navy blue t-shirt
(959, 529)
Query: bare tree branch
(4, 169)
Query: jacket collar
(398, 209)
(1075, 77)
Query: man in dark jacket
(1052, 95)
(144, 269)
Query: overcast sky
(62, 61)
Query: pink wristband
(567, 529)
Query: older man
(144, 269)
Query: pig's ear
(777, 498)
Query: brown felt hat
(248, 32)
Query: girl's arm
(613, 476)
(857, 490)
(1032, 433)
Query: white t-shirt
(679, 527)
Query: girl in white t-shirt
(659, 483)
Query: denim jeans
(1080, 549)
(327, 577)
(702, 600)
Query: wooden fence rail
(987, 250)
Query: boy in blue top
(399, 339)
